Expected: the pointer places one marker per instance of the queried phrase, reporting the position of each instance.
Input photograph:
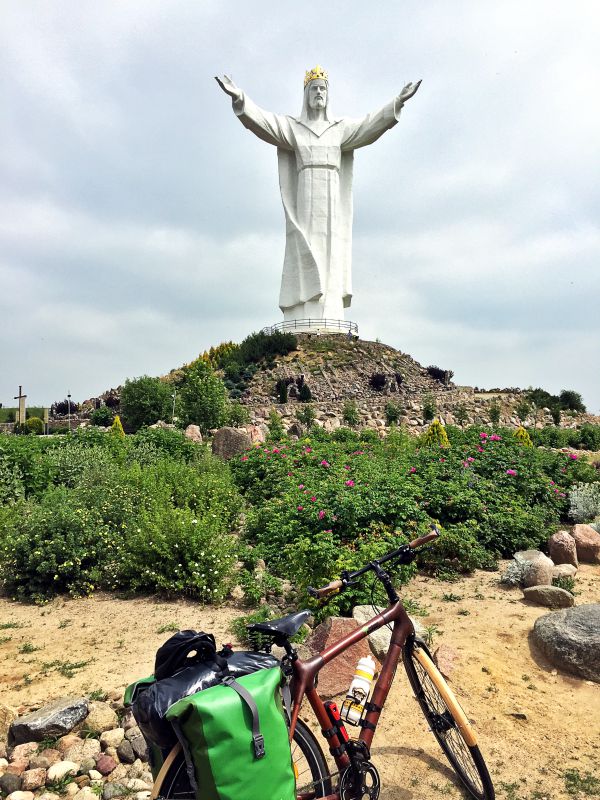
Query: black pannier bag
(187, 663)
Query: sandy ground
(532, 722)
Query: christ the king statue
(315, 152)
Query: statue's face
(317, 94)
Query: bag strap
(257, 737)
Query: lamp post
(69, 409)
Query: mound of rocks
(76, 748)
(570, 640)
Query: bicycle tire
(447, 720)
(310, 767)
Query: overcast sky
(140, 223)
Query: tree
(102, 416)
(204, 399)
(523, 408)
(571, 401)
(306, 415)
(429, 407)
(435, 435)
(144, 401)
(495, 412)
(117, 428)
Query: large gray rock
(564, 571)
(561, 547)
(55, 719)
(538, 571)
(532, 563)
(570, 639)
(230, 442)
(379, 641)
(587, 542)
(549, 596)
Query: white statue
(315, 153)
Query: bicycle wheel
(447, 720)
(311, 770)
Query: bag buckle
(259, 745)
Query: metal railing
(316, 325)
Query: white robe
(315, 178)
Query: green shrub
(435, 435)
(304, 393)
(11, 484)
(204, 400)
(116, 428)
(393, 412)
(238, 415)
(523, 437)
(144, 401)
(350, 414)
(102, 416)
(523, 409)
(276, 429)
(461, 414)
(306, 415)
(53, 548)
(494, 412)
(571, 401)
(35, 425)
(429, 407)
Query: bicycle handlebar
(405, 552)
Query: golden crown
(318, 73)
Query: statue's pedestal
(315, 326)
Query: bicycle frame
(305, 673)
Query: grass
(66, 668)
(6, 626)
(4, 639)
(575, 783)
(27, 647)
(415, 608)
(450, 597)
(64, 623)
(168, 627)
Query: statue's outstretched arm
(409, 90)
(229, 87)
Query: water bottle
(354, 704)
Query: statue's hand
(408, 91)
(229, 86)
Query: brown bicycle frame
(305, 673)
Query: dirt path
(532, 722)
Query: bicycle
(357, 778)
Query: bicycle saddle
(284, 626)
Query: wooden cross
(21, 411)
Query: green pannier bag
(236, 739)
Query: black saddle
(280, 630)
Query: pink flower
(551, 483)
(289, 474)
(324, 463)
(412, 469)
(556, 491)
(321, 514)
(313, 499)
(442, 460)
(511, 472)
(300, 508)
(573, 456)
(495, 438)
(275, 450)
(350, 483)
(483, 435)
(244, 458)
(480, 450)
(308, 449)
(470, 459)
(301, 486)
(562, 494)
(346, 466)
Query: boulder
(7, 716)
(112, 738)
(335, 677)
(125, 752)
(44, 759)
(82, 750)
(570, 639)
(24, 750)
(10, 783)
(564, 571)
(20, 796)
(105, 764)
(538, 571)
(258, 433)
(379, 640)
(562, 550)
(192, 432)
(17, 766)
(587, 542)
(101, 717)
(61, 769)
(230, 442)
(66, 742)
(55, 719)
(33, 779)
(445, 658)
(549, 596)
